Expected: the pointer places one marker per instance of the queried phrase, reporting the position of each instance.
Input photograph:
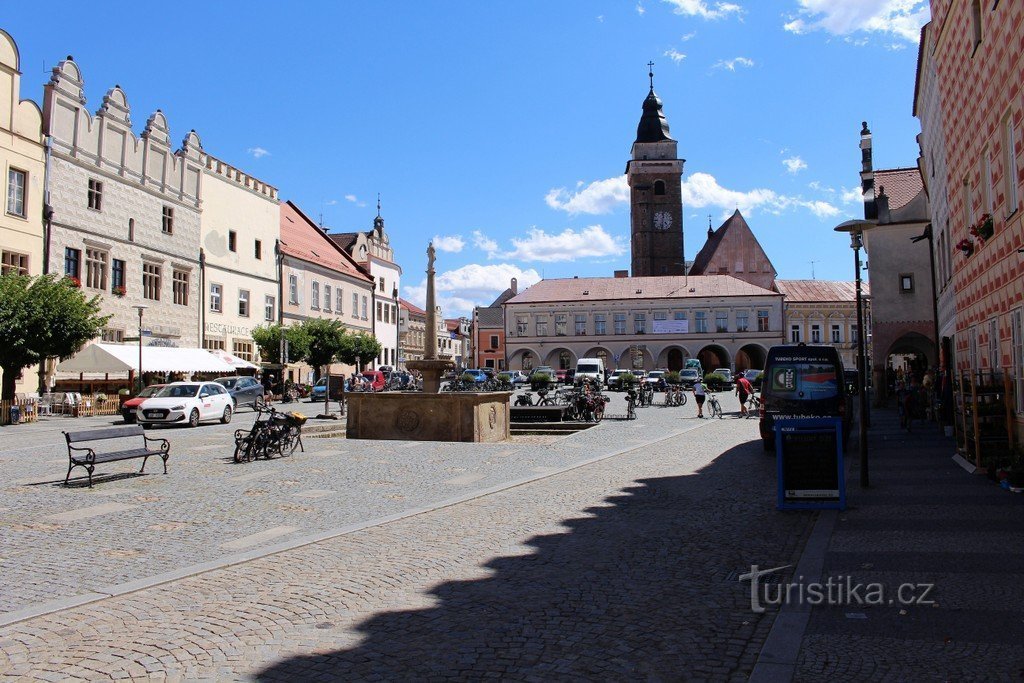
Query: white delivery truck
(589, 368)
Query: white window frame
(1017, 339)
(216, 297)
(328, 306)
(1010, 166)
(795, 333)
(243, 303)
(16, 191)
(314, 298)
(269, 303)
(993, 345)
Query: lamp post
(856, 229)
(140, 308)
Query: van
(694, 364)
(803, 381)
(589, 368)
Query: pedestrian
(699, 393)
(743, 389)
(268, 387)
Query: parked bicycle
(279, 434)
(675, 395)
(753, 406)
(631, 401)
(645, 396)
(712, 405)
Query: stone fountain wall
(450, 416)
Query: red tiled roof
(412, 308)
(901, 185)
(617, 288)
(797, 291)
(302, 239)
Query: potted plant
(73, 281)
(984, 228)
(713, 381)
(119, 291)
(540, 380)
(627, 381)
(966, 246)
(122, 396)
(673, 377)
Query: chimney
(621, 273)
(882, 205)
(514, 286)
(867, 173)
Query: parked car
(376, 379)
(656, 378)
(570, 376)
(589, 368)
(688, 377)
(803, 380)
(479, 376)
(516, 377)
(128, 407)
(243, 390)
(615, 379)
(560, 375)
(754, 377)
(726, 375)
(541, 370)
(186, 403)
(337, 388)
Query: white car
(186, 402)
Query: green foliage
(467, 378)
(628, 379)
(714, 381)
(673, 377)
(43, 317)
(268, 339)
(360, 345)
(327, 341)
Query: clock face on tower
(663, 220)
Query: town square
(653, 340)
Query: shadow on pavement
(642, 586)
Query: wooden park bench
(89, 456)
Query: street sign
(809, 454)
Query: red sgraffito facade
(978, 51)
(489, 353)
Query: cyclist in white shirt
(699, 392)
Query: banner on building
(671, 326)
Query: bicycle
(280, 433)
(631, 400)
(646, 395)
(713, 407)
(753, 407)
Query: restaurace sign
(221, 328)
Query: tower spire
(378, 205)
(650, 74)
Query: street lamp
(856, 229)
(140, 308)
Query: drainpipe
(279, 257)
(202, 298)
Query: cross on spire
(378, 205)
(650, 73)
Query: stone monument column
(431, 367)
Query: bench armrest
(165, 445)
(90, 453)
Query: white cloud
(600, 196)
(899, 18)
(640, 9)
(258, 152)
(354, 199)
(704, 10)
(853, 195)
(330, 202)
(794, 164)
(459, 290)
(731, 64)
(702, 190)
(485, 243)
(675, 55)
(600, 18)
(568, 245)
(688, 36)
(452, 244)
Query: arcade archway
(673, 358)
(712, 357)
(750, 357)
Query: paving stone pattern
(923, 520)
(53, 549)
(613, 570)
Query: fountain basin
(416, 416)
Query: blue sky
(504, 129)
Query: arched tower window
(659, 187)
(131, 229)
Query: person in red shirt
(743, 389)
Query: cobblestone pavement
(621, 568)
(56, 541)
(923, 520)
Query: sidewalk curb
(105, 592)
(778, 657)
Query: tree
(268, 340)
(43, 317)
(326, 341)
(359, 345)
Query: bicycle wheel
(240, 449)
(599, 411)
(716, 410)
(682, 398)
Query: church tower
(656, 209)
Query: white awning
(234, 361)
(113, 358)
